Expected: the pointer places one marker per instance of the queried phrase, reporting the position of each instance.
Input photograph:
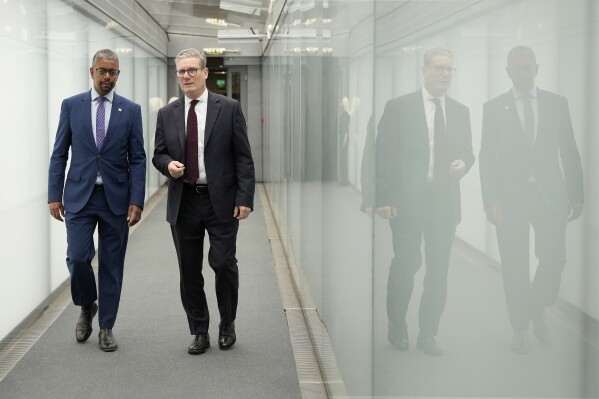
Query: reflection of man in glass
(343, 132)
(423, 148)
(526, 132)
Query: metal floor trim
(317, 369)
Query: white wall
(46, 48)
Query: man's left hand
(457, 168)
(133, 215)
(575, 211)
(241, 212)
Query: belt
(98, 187)
(198, 188)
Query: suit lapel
(545, 114)
(212, 111)
(116, 111)
(420, 123)
(86, 116)
(511, 118)
(179, 116)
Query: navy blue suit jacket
(507, 160)
(121, 161)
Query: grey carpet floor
(152, 332)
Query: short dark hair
(520, 51)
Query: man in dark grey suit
(526, 133)
(203, 148)
(423, 148)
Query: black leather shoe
(226, 335)
(200, 343)
(107, 340)
(519, 343)
(398, 337)
(83, 329)
(428, 345)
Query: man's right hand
(176, 169)
(387, 212)
(56, 210)
(494, 215)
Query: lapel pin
(120, 109)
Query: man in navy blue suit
(530, 175)
(105, 187)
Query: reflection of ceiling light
(411, 49)
(111, 24)
(219, 50)
(326, 20)
(123, 50)
(310, 21)
(214, 50)
(310, 50)
(214, 21)
(243, 6)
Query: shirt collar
(109, 96)
(203, 98)
(519, 94)
(426, 96)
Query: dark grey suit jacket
(402, 152)
(227, 155)
(507, 160)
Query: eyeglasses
(191, 72)
(441, 69)
(111, 72)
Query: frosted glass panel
(46, 50)
(328, 74)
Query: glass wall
(46, 48)
(329, 72)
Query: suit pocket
(74, 175)
(226, 180)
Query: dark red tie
(441, 168)
(192, 170)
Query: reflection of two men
(531, 175)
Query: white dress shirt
(107, 110)
(200, 110)
(429, 111)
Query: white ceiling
(205, 18)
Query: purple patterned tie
(100, 123)
(192, 170)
